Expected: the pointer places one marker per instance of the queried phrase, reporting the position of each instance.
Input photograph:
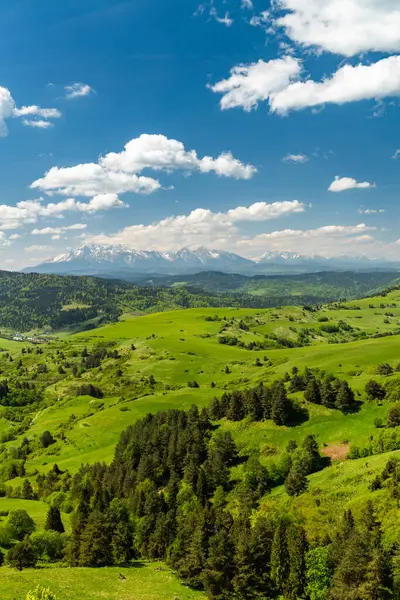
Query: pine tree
(345, 400)
(218, 571)
(27, 490)
(296, 482)
(95, 542)
(53, 520)
(245, 575)
(280, 556)
(328, 395)
(281, 405)
(297, 548)
(312, 393)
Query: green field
(146, 365)
(151, 581)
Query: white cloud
(278, 82)
(341, 184)
(200, 227)
(370, 211)
(40, 124)
(247, 4)
(37, 111)
(8, 110)
(349, 84)
(250, 84)
(58, 230)
(226, 20)
(14, 236)
(91, 179)
(347, 27)
(261, 211)
(396, 155)
(57, 236)
(296, 158)
(38, 248)
(78, 90)
(31, 211)
(7, 107)
(118, 172)
(330, 240)
(260, 20)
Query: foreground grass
(151, 581)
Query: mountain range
(126, 263)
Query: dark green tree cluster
(328, 390)
(258, 403)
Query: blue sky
(250, 126)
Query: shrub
(22, 555)
(46, 439)
(48, 545)
(393, 418)
(384, 369)
(21, 524)
(378, 423)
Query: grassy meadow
(147, 364)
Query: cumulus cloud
(250, 84)
(347, 27)
(119, 172)
(37, 111)
(77, 90)
(296, 158)
(349, 84)
(279, 83)
(39, 124)
(58, 230)
(341, 184)
(200, 227)
(330, 240)
(31, 211)
(8, 110)
(247, 4)
(370, 211)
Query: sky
(242, 125)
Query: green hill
(66, 403)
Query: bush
(21, 524)
(46, 439)
(22, 555)
(393, 418)
(193, 384)
(378, 423)
(384, 369)
(48, 545)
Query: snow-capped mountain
(119, 260)
(124, 262)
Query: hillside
(81, 392)
(53, 302)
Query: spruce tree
(297, 548)
(296, 482)
(312, 393)
(27, 490)
(280, 556)
(53, 520)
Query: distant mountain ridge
(123, 262)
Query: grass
(35, 508)
(150, 581)
(177, 347)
